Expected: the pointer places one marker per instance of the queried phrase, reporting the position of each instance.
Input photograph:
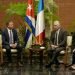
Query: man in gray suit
(58, 43)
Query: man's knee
(73, 54)
(57, 51)
(7, 47)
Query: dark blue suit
(6, 45)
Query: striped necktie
(56, 38)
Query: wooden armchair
(67, 51)
(2, 51)
(36, 50)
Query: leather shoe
(71, 68)
(48, 65)
(56, 66)
(20, 64)
(10, 64)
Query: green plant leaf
(18, 9)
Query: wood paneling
(66, 12)
(4, 17)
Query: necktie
(56, 38)
(10, 38)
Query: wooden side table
(39, 51)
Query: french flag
(30, 20)
(40, 25)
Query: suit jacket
(62, 38)
(5, 37)
(73, 39)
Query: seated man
(72, 67)
(73, 61)
(10, 41)
(58, 43)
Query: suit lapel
(13, 34)
(7, 34)
(60, 33)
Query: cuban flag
(30, 20)
(40, 25)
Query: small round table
(38, 51)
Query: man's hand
(54, 46)
(13, 45)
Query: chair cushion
(12, 50)
(74, 50)
(62, 52)
(42, 47)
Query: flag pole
(33, 37)
(30, 20)
(51, 22)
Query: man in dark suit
(10, 41)
(72, 67)
(58, 43)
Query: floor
(34, 69)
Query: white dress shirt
(11, 34)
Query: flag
(30, 20)
(40, 25)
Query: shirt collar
(9, 29)
(58, 30)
